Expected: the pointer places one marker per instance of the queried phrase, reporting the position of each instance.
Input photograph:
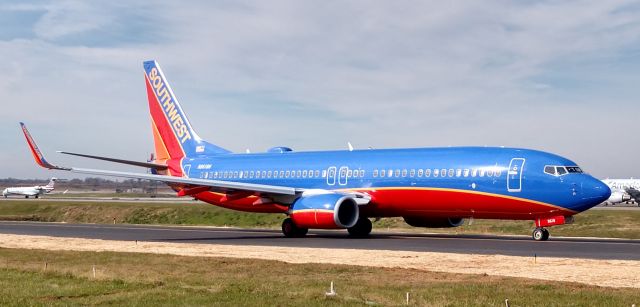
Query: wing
(189, 185)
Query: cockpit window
(551, 170)
(574, 169)
(560, 170)
(556, 170)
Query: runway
(587, 248)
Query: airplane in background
(34, 191)
(428, 187)
(623, 190)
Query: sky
(558, 76)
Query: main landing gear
(290, 230)
(540, 234)
(361, 229)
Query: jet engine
(433, 222)
(326, 211)
(618, 197)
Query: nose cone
(594, 192)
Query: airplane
(623, 190)
(34, 191)
(344, 189)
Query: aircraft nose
(595, 191)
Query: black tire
(36, 196)
(26, 196)
(361, 229)
(291, 230)
(545, 234)
(540, 234)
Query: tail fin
(52, 182)
(173, 136)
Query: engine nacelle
(618, 197)
(325, 211)
(434, 222)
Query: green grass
(163, 280)
(593, 223)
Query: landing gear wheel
(36, 196)
(290, 230)
(540, 234)
(26, 196)
(361, 229)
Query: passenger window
(390, 173)
(420, 172)
(397, 173)
(304, 174)
(490, 172)
(474, 172)
(427, 173)
(324, 174)
(375, 173)
(458, 172)
(382, 173)
(412, 173)
(498, 172)
(451, 172)
(465, 173)
(215, 175)
(241, 174)
(349, 173)
(287, 174)
(269, 174)
(317, 173)
(443, 172)
(482, 173)
(404, 173)
(298, 174)
(361, 173)
(436, 172)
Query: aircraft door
(342, 177)
(514, 175)
(331, 175)
(187, 169)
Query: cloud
(314, 75)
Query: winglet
(37, 155)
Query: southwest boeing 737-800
(428, 187)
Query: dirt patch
(605, 273)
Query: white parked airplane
(30, 191)
(623, 190)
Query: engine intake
(434, 222)
(618, 197)
(325, 211)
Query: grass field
(593, 223)
(152, 280)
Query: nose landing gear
(540, 234)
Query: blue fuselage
(498, 172)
